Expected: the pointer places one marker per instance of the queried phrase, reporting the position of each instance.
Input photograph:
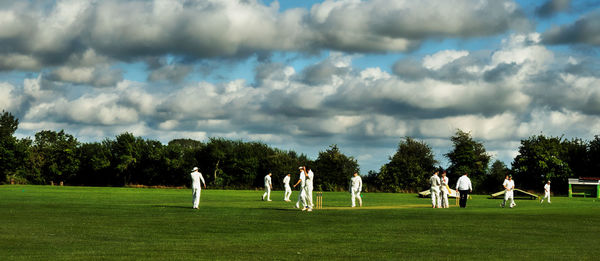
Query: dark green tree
(495, 177)
(8, 146)
(540, 159)
(333, 169)
(467, 156)
(410, 168)
(593, 157)
(55, 155)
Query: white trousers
(196, 195)
(356, 195)
(444, 197)
(267, 193)
(309, 198)
(546, 196)
(288, 192)
(509, 195)
(301, 198)
(435, 197)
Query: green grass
(83, 223)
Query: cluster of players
(440, 190)
(305, 180)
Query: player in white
(355, 189)
(196, 188)
(509, 186)
(435, 190)
(302, 194)
(546, 192)
(288, 189)
(268, 187)
(445, 190)
(308, 189)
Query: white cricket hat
(195, 168)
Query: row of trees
(58, 156)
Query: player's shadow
(170, 206)
(281, 209)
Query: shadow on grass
(170, 206)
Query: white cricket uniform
(444, 192)
(308, 189)
(267, 188)
(546, 193)
(196, 187)
(435, 190)
(288, 189)
(509, 194)
(355, 189)
(302, 194)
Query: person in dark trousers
(464, 187)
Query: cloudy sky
(302, 75)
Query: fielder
(509, 186)
(546, 193)
(355, 189)
(288, 189)
(309, 189)
(302, 194)
(196, 188)
(268, 187)
(445, 190)
(435, 190)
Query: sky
(303, 75)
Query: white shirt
(286, 181)
(309, 179)
(356, 183)
(444, 181)
(547, 188)
(464, 183)
(509, 184)
(302, 178)
(435, 181)
(267, 181)
(196, 178)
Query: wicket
(319, 202)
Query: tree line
(53, 156)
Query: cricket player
(309, 188)
(302, 194)
(355, 189)
(509, 186)
(546, 192)
(288, 189)
(196, 188)
(268, 187)
(435, 190)
(445, 190)
(464, 187)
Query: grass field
(84, 223)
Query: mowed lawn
(85, 223)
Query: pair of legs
(509, 195)
(355, 196)
(435, 197)
(196, 195)
(301, 198)
(267, 194)
(288, 193)
(464, 194)
(444, 198)
(309, 198)
(546, 196)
